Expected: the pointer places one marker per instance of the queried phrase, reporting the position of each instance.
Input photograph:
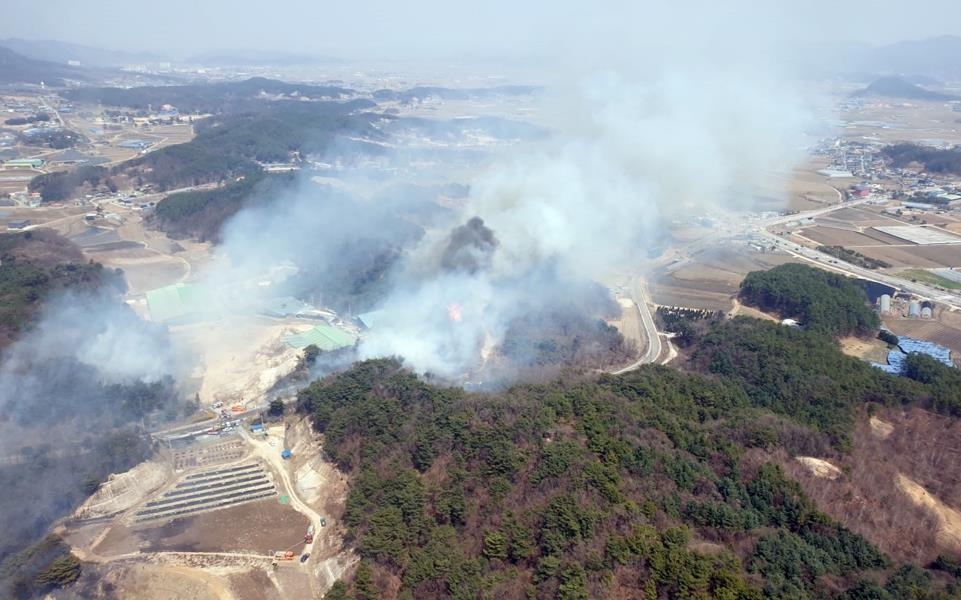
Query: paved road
(683, 254)
(652, 348)
(825, 261)
(831, 263)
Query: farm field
(944, 329)
(711, 279)
(932, 278)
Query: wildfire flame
(454, 312)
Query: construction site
(245, 507)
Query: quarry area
(249, 513)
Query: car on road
(323, 522)
(304, 556)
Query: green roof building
(181, 302)
(24, 163)
(323, 336)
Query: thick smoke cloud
(94, 330)
(470, 248)
(99, 331)
(628, 157)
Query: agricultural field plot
(102, 239)
(944, 278)
(922, 121)
(15, 181)
(884, 238)
(921, 235)
(832, 236)
(55, 216)
(710, 280)
(942, 330)
(801, 190)
(856, 217)
(925, 257)
(873, 350)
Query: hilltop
(16, 68)
(896, 87)
(63, 52)
(659, 483)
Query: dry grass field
(712, 278)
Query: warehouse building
(182, 303)
(325, 337)
(24, 163)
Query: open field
(925, 257)
(942, 329)
(870, 242)
(932, 278)
(803, 189)
(253, 528)
(15, 180)
(833, 236)
(858, 217)
(712, 278)
(873, 350)
(892, 121)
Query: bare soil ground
(161, 582)
(874, 350)
(240, 357)
(833, 236)
(712, 278)
(749, 311)
(900, 485)
(801, 190)
(253, 585)
(945, 329)
(925, 257)
(819, 467)
(324, 489)
(254, 528)
(921, 121)
(858, 217)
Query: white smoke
(627, 156)
(96, 330)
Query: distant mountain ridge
(16, 68)
(87, 56)
(896, 87)
(937, 56)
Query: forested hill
(33, 266)
(934, 160)
(48, 394)
(222, 97)
(16, 68)
(656, 484)
(824, 302)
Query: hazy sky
(437, 28)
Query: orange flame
(454, 312)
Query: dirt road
(271, 454)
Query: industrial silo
(885, 303)
(926, 312)
(914, 309)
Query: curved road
(651, 337)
